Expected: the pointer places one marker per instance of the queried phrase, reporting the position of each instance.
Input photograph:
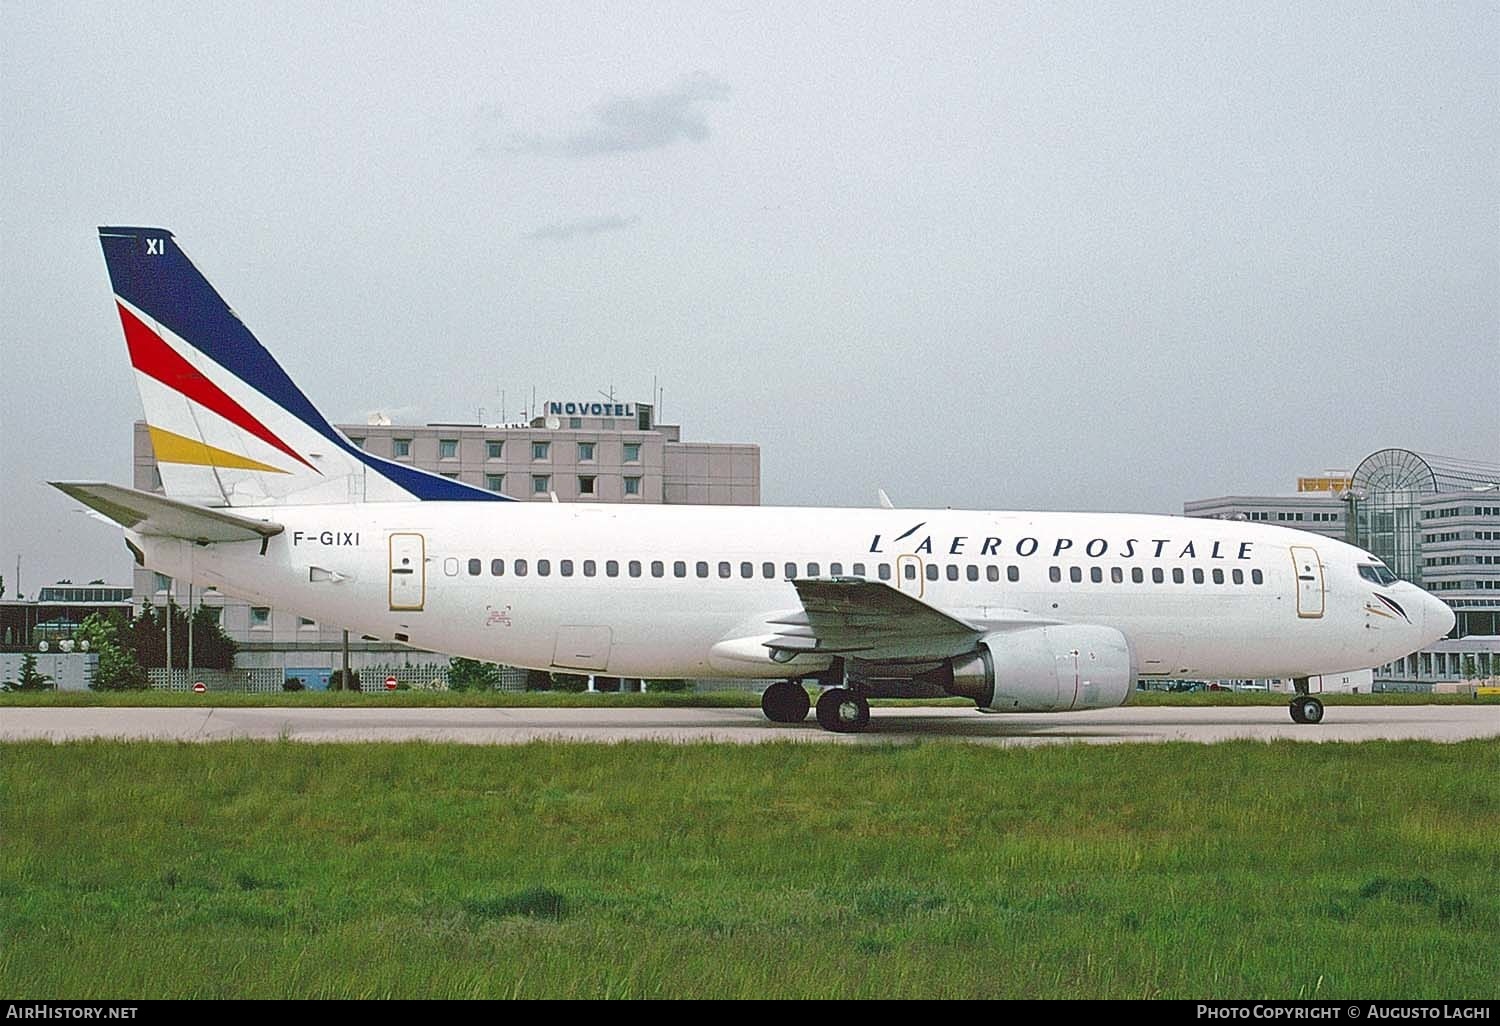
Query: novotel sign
(591, 409)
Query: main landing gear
(1305, 708)
(785, 701)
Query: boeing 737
(1019, 611)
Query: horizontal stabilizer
(149, 514)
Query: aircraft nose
(1437, 617)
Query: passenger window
(812, 569)
(565, 567)
(768, 570)
(1096, 574)
(884, 571)
(474, 566)
(1156, 575)
(658, 568)
(611, 568)
(932, 571)
(1055, 574)
(1197, 575)
(1116, 575)
(1237, 575)
(701, 568)
(679, 569)
(724, 570)
(791, 571)
(835, 569)
(543, 567)
(635, 568)
(1218, 576)
(747, 570)
(1137, 575)
(992, 573)
(1177, 575)
(1256, 577)
(1075, 574)
(1012, 573)
(589, 567)
(952, 572)
(972, 572)
(497, 568)
(859, 570)
(520, 568)
(910, 571)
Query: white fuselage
(1195, 598)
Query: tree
(146, 636)
(31, 679)
(472, 675)
(118, 670)
(336, 681)
(2, 585)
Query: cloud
(629, 124)
(581, 227)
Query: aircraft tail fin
(228, 426)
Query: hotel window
(632, 486)
(586, 484)
(451, 476)
(358, 443)
(493, 450)
(304, 624)
(585, 452)
(401, 448)
(541, 484)
(494, 482)
(632, 452)
(574, 423)
(541, 450)
(260, 618)
(447, 448)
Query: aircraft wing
(850, 616)
(150, 514)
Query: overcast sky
(1000, 256)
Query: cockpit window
(1376, 574)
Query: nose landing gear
(1305, 708)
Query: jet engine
(1044, 669)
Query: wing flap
(869, 619)
(149, 514)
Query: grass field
(685, 699)
(644, 870)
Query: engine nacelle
(1045, 669)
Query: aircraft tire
(1306, 709)
(842, 711)
(785, 701)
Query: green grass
(249, 869)
(626, 700)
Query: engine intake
(1045, 669)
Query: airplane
(1017, 611)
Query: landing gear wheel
(785, 701)
(842, 711)
(1307, 709)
